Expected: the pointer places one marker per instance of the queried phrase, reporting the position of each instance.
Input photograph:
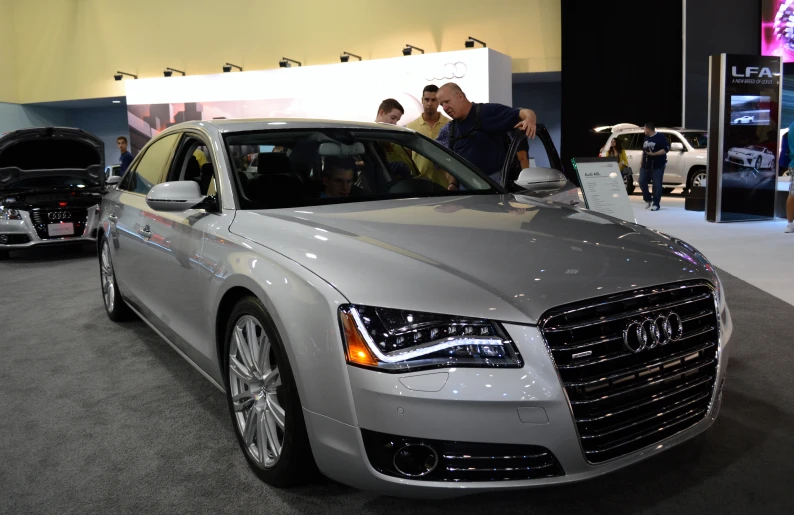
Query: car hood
(743, 151)
(50, 152)
(505, 257)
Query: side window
(673, 138)
(149, 169)
(628, 141)
(193, 162)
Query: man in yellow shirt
(429, 124)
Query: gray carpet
(101, 417)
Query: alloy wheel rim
(698, 179)
(108, 284)
(254, 384)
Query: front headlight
(393, 340)
(9, 214)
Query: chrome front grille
(621, 400)
(41, 219)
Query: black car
(51, 185)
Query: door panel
(172, 252)
(129, 259)
(675, 161)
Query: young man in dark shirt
(126, 157)
(481, 139)
(654, 159)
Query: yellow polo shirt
(426, 168)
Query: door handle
(145, 232)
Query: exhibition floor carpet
(757, 252)
(98, 417)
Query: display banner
(602, 187)
(343, 91)
(744, 125)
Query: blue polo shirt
(655, 143)
(126, 159)
(484, 148)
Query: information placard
(602, 187)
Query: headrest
(273, 163)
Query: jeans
(655, 174)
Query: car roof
(658, 129)
(258, 124)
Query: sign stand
(602, 187)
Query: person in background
(126, 157)
(654, 159)
(399, 159)
(616, 150)
(429, 124)
(338, 176)
(390, 111)
(479, 132)
(790, 199)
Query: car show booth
(343, 91)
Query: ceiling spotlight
(286, 63)
(119, 75)
(408, 48)
(229, 66)
(169, 71)
(345, 57)
(470, 42)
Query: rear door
(673, 173)
(126, 207)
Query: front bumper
(24, 232)
(475, 405)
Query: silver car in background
(407, 339)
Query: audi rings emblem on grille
(59, 215)
(448, 71)
(647, 333)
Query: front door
(675, 162)
(172, 250)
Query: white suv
(686, 161)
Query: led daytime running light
(405, 356)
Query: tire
(696, 176)
(628, 181)
(274, 408)
(758, 163)
(116, 308)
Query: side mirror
(174, 196)
(537, 179)
(113, 179)
(677, 147)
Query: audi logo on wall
(647, 333)
(448, 71)
(59, 215)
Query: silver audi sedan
(407, 336)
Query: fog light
(415, 460)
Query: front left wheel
(263, 399)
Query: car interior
(292, 168)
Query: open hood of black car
(51, 152)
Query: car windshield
(53, 182)
(698, 139)
(756, 148)
(284, 169)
